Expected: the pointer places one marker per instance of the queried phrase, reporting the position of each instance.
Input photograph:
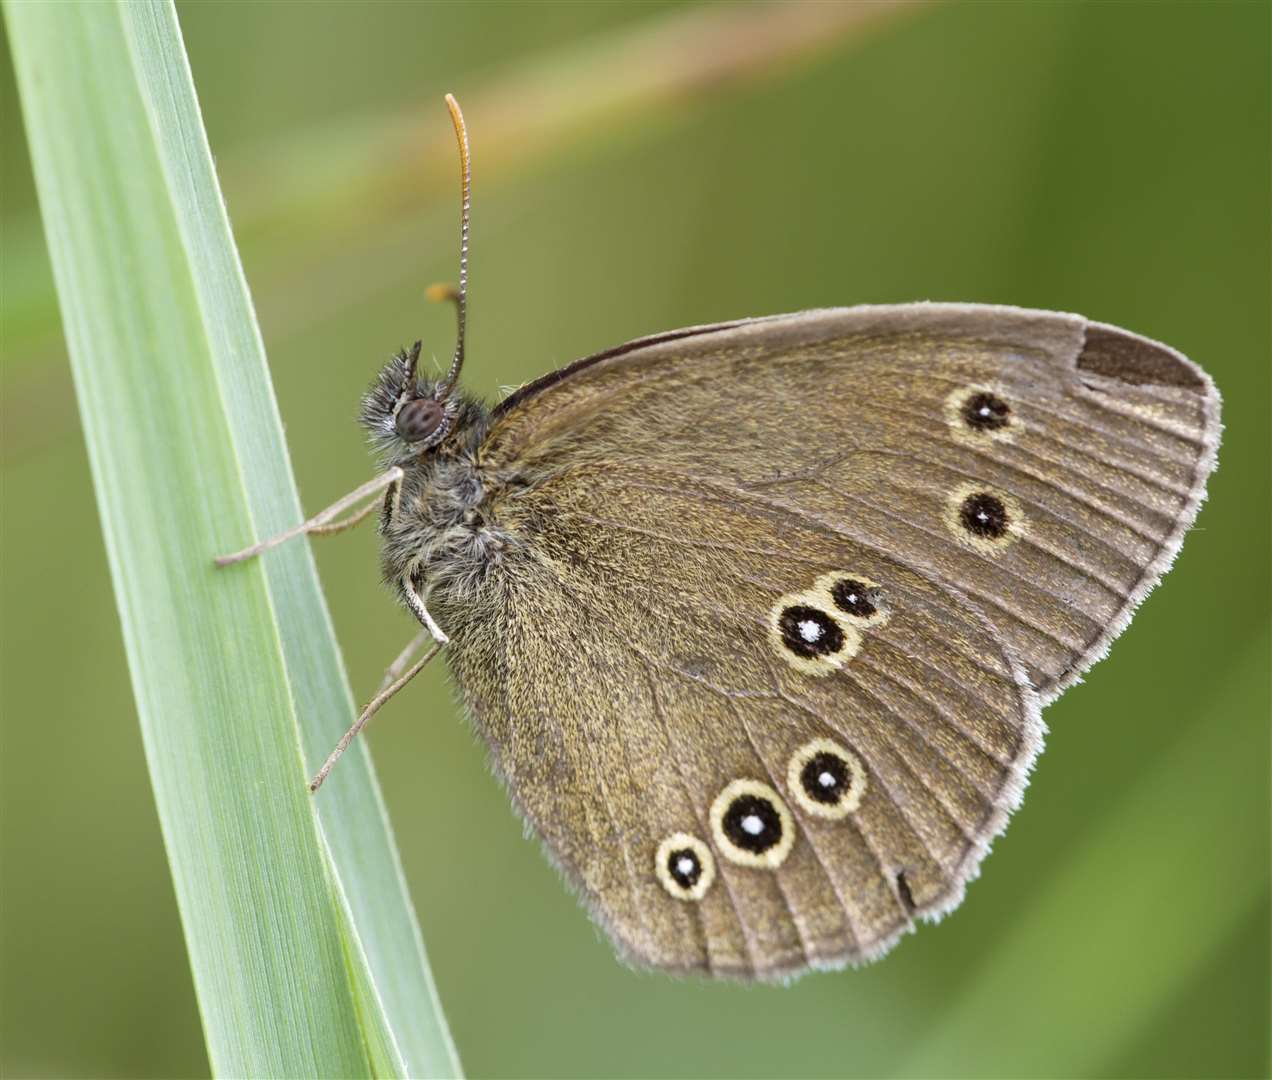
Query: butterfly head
(409, 418)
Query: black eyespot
(684, 867)
(985, 515)
(418, 419)
(828, 780)
(825, 778)
(752, 823)
(854, 597)
(986, 412)
(809, 632)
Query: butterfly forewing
(860, 418)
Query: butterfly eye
(685, 866)
(826, 779)
(751, 825)
(984, 519)
(419, 419)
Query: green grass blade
(305, 954)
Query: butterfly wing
(859, 417)
(762, 661)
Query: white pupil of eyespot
(982, 516)
(752, 824)
(826, 780)
(984, 410)
(852, 598)
(809, 630)
(685, 865)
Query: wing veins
(1072, 418)
(748, 939)
(819, 526)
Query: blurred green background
(640, 167)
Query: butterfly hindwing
(634, 734)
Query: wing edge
(1168, 551)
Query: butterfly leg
(394, 671)
(394, 678)
(418, 609)
(323, 523)
(373, 707)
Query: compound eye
(418, 419)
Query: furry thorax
(440, 528)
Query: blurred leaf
(367, 168)
(306, 957)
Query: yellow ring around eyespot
(856, 787)
(761, 860)
(706, 861)
(953, 408)
(813, 665)
(1017, 524)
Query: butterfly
(757, 619)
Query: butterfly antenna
(461, 297)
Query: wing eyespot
(685, 867)
(805, 632)
(855, 598)
(983, 518)
(751, 825)
(985, 411)
(981, 414)
(808, 631)
(984, 514)
(826, 779)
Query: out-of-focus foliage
(1108, 159)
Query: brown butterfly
(757, 619)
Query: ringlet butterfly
(757, 619)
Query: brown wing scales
(657, 718)
(1011, 482)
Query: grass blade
(305, 954)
